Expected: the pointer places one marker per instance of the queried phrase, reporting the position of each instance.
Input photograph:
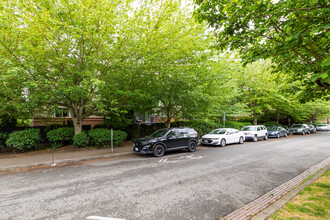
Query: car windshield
(296, 126)
(274, 128)
(311, 126)
(159, 133)
(249, 128)
(222, 131)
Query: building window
(61, 112)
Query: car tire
(255, 138)
(303, 133)
(278, 135)
(223, 142)
(159, 150)
(192, 146)
(241, 140)
(266, 137)
(286, 134)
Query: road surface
(207, 184)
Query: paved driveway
(207, 184)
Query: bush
(61, 136)
(204, 127)
(3, 138)
(236, 124)
(81, 140)
(28, 139)
(101, 137)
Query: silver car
(322, 127)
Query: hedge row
(28, 139)
(98, 137)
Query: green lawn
(311, 203)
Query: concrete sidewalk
(47, 157)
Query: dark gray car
(277, 131)
(299, 129)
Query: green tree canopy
(294, 34)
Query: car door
(230, 136)
(259, 132)
(183, 137)
(172, 139)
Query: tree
(294, 34)
(171, 82)
(84, 55)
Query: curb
(58, 162)
(268, 212)
(253, 208)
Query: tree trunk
(255, 120)
(168, 117)
(77, 124)
(77, 117)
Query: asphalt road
(207, 184)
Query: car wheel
(192, 146)
(309, 132)
(285, 134)
(255, 138)
(241, 140)
(303, 133)
(278, 135)
(159, 150)
(266, 137)
(223, 142)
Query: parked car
(167, 139)
(322, 127)
(253, 132)
(300, 129)
(277, 131)
(223, 136)
(312, 128)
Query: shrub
(119, 137)
(236, 124)
(81, 140)
(101, 137)
(3, 138)
(61, 136)
(204, 127)
(28, 139)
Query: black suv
(167, 139)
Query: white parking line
(103, 218)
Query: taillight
(197, 134)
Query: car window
(296, 126)
(259, 129)
(173, 132)
(183, 132)
(249, 129)
(218, 131)
(191, 131)
(159, 133)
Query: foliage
(236, 125)
(119, 137)
(294, 34)
(81, 140)
(3, 138)
(101, 137)
(204, 127)
(28, 139)
(61, 136)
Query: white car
(322, 127)
(254, 132)
(223, 136)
